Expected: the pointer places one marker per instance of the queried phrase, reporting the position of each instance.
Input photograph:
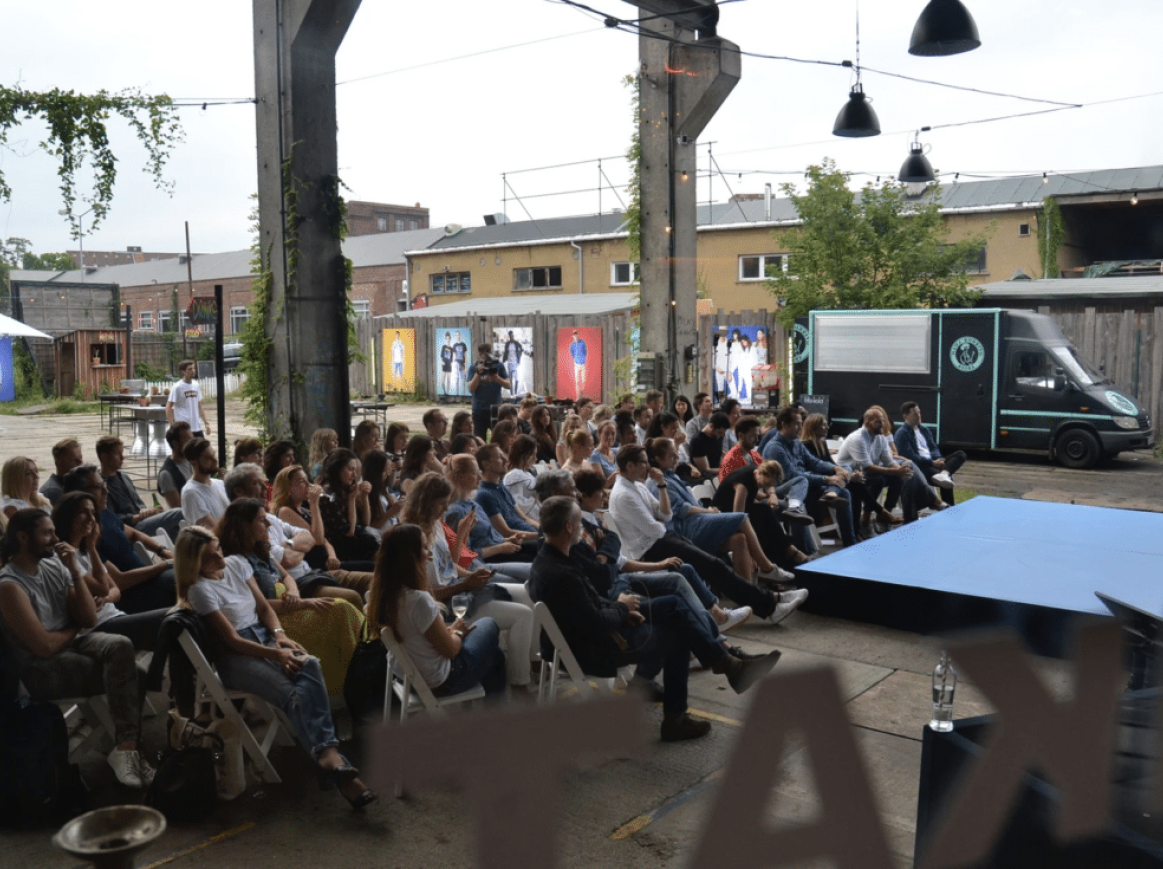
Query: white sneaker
(735, 618)
(789, 602)
(130, 768)
(777, 574)
(944, 480)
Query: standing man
(446, 364)
(460, 360)
(512, 356)
(398, 359)
(185, 401)
(914, 441)
(488, 377)
(577, 349)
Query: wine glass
(460, 604)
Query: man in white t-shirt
(204, 495)
(185, 401)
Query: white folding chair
(209, 689)
(148, 557)
(704, 490)
(411, 689)
(563, 656)
(833, 526)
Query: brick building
(369, 218)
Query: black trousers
(714, 572)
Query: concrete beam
(294, 49)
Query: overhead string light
(917, 170)
(856, 118)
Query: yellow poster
(399, 360)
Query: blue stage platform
(1031, 565)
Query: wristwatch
(278, 631)
(459, 634)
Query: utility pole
(295, 42)
(686, 73)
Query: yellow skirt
(330, 635)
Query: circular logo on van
(967, 354)
(1121, 403)
(799, 343)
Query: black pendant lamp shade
(856, 119)
(916, 169)
(945, 27)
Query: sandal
(364, 799)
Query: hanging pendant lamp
(916, 169)
(945, 27)
(856, 119)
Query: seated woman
(462, 425)
(545, 433)
(451, 658)
(323, 441)
(605, 455)
(572, 423)
(580, 447)
(75, 519)
(19, 488)
(278, 455)
(345, 508)
(47, 612)
(497, 591)
(419, 456)
(327, 627)
(380, 474)
(668, 425)
(706, 527)
(396, 440)
(256, 656)
(519, 479)
(465, 476)
(247, 450)
(865, 497)
(752, 491)
(504, 433)
(366, 439)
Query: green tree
(875, 249)
(47, 262)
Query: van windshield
(1076, 366)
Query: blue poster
(738, 349)
(454, 354)
(7, 378)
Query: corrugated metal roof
(387, 248)
(1067, 288)
(1030, 188)
(533, 230)
(582, 304)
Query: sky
(453, 103)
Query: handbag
(185, 786)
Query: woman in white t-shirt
(257, 657)
(19, 488)
(451, 658)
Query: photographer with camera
(488, 376)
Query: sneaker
(130, 768)
(676, 728)
(735, 618)
(788, 603)
(741, 675)
(943, 480)
(777, 574)
(736, 652)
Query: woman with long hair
(20, 488)
(519, 479)
(494, 589)
(323, 441)
(571, 424)
(345, 507)
(367, 437)
(669, 425)
(419, 457)
(396, 439)
(327, 627)
(579, 445)
(451, 658)
(605, 454)
(464, 474)
(545, 433)
(258, 657)
(380, 473)
(504, 433)
(278, 455)
(683, 409)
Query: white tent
(8, 326)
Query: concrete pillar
(295, 42)
(683, 83)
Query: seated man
(707, 446)
(704, 406)
(175, 470)
(734, 411)
(495, 499)
(915, 442)
(144, 587)
(826, 481)
(123, 497)
(436, 426)
(604, 634)
(494, 548)
(204, 497)
(45, 610)
(866, 451)
(642, 418)
(639, 519)
(66, 455)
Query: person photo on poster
(399, 360)
(446, 365)
(513, 347)
(579, 362)
(460, 362)
(737, 351)
(452, 361)
(577, 350)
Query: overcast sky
(421, 121)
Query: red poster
(579, 362)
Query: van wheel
(1077, 448)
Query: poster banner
(579, 362)
(738, 349)
(399, 360)
(514, 348)
(453, 354)
(7, 376)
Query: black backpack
(185, 787)
(37, 782)
(363, 686)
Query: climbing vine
(1050, 224)
(78, 136)
(624, 378)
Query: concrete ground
(648, 811)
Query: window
(145, 320)
(362, 308)
(1023, 229)
(399, 224)
(165, 321)
(451, 282)
(183, 322)
(975, 264)
(623, 274)
(382, 224)
(540, 278)
(762, 266)
(238, 315)
(413, 224)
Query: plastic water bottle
(944, 685)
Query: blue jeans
(303, 697)
(508, 571)
(480, 661)
(694, 592)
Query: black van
(984, 378)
